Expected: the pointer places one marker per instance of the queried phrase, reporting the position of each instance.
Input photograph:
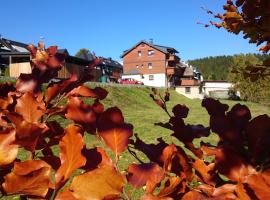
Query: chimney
(151, 41)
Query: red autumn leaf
(28, 83)
(149, 174)
(96, 157)
(229, 163)
(29, 108)
(114, 131)
(27, 134)
(167, 156)
(98, 107)
(79, 112)
(54, 89)
(84, 91)
(102, 183)
(8, 150)
(71, 157)
(257, 132)
(194, 195)
(31, 177)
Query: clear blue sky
(108, 27)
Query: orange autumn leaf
(102, 183)
(8, 150)
(55, 89)
(71, 157)
(114, 131)
(241, 192)
(29, 108)
(204, 170)
(117, 139)
(259, 186)
(79, 112)
(152, 197)
(65, 195)
(172, 185)
(84, 91)
(32, 177)
(149, 174)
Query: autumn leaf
(8, 150)
(173, 184)
(149, 174)
(29, 108)
(65, 195)
(31, 177)
(102, 183)
(71, 157)
(55, 89)
(259, 186)
(114, 131)
(27, 134)
(96, 157)
(204, 170)
(84, 91)
(117, 139)
(79, 112)
(152, 197)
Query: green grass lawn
(140, 110)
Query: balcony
(173, 71)
(173, 58)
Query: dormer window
(151, 52)
(139, 53)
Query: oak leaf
(32, 177)
(102, 183)
(71, 157)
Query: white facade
(192, 92)
(216, 86)
(153, 80)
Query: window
(142, 66)
(151, 52)
(187, 90)
(139, 53)
(150, 66)
(151, 77)
(137, 66)
(142, 45)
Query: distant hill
(217, 67)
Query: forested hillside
(218, 67)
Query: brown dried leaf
(8, 150)
(102, 183)
(84, 91)
(29, 108)
(71, 157)
(149, 174)
(31, 177)
(79, 112)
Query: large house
(152, 64)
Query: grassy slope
(140, 110)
